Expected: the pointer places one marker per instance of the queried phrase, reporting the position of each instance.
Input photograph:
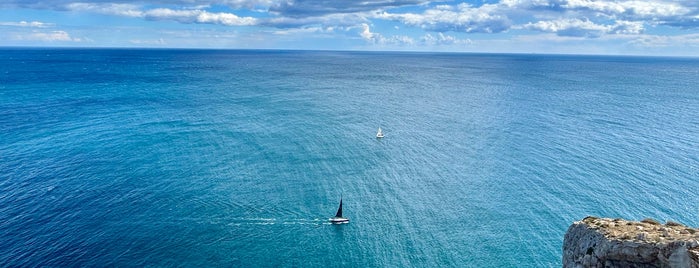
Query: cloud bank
(564, 17)
(424, 21)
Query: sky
(606, 27)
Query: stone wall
(601, 242)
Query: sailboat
(338, 219)
(379, 134)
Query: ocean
(237, 158)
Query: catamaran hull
(339, 220)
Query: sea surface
(200, 158)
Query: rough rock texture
(601, 242)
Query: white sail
(379, 134)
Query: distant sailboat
(379, 134)
(338, 219)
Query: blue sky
(617, 27)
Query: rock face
(601, 242)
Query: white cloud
(658, 41)
(377, 38)
(568, 27)
(627, 27)
(314, 8)
(225, 19)
(198, 16)
(126, 10)
(443, 39)
(400, 39)
(251, 4)
(307, 30)
(179, 15)
(33, 24)
(616, 8)
(331, 20)
(461, 18)
(396, 41)
(157, 42)
(104, 4)
(527, 3)
(52, 36)
(185, 15)
(368, 35)
(583, 28)
(648, 9)
(680, 13)
(562, 16)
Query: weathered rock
(602, 242)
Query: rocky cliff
(601, 242)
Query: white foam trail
(272, 221)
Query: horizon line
(346, 50)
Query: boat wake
(275, 221)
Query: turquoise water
(238, 158)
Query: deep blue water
(237, 158)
